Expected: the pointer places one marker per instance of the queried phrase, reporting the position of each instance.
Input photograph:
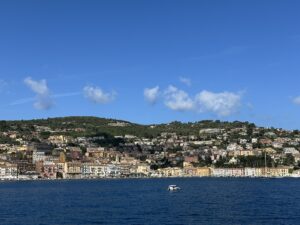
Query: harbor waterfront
(147, 201)
(96, 148)
(93, 171)
(140, 112)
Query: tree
(45, 135)
(208, 160)
(288, 160)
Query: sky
(151, 61)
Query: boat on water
(173, 188)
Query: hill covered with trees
(93, 126)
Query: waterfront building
(250, 172)
(49, 170)
(60, 169)
(143, 168)
(170, 172)
(279, 171)
(8, 170)
(203, 172)
(197, 171)
(73, 170)
(228, 172)
(38, 156)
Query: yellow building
(203, 172)
(73, 169)
(278, 171)
(187, 165)
(143, 168)
(62, 157)
(197, 171)
(171, 172)
(22, 148)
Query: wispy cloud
(97, 95)
(56, 96)
(296, 100)
(43, 100)
(185, 81)
(68, 94)
(151, 94)
(249, 105)
(22, 101)
(3, 85)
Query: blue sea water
(147, 201)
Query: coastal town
(32, 150)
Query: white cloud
(151, 94)
(177, 99)
(297, 100)
(38, 87)
(222, 104)
(185, 81)
(43, 100)
(97, 95)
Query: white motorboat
(173, 188)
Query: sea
(147, 201)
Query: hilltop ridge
(89, 126)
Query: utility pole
(265, 163)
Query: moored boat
(173, 188)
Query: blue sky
(151, 61)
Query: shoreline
(141, 178)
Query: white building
(250, 172)
(8, 171)
(38, 156)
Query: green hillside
(92, 126)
